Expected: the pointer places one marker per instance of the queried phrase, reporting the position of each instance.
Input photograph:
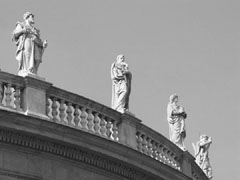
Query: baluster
(168, 157)
(54, 110)
(62, 112)
(69, 114)
(195, 176)
(108, 126)
(1, 92)
(8, 94)
(90, 121)
(115, 131)
(159, 155)
(149, 146)
(173, 160)
(165, 155)
(162, 154)
(17, 98)
(96, 123)
(154, 150)
(47, 106)
(177, 163)
(145, 150)
(76, 117)
(139, 142)
(174, 163)
(103, 129)
(83, 117)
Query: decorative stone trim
(72, 152)
(17, 176)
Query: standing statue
(201, 154)
(121, 84)
(176, 116)
(30, 47)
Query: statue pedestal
(186, 166)
(35, 76)
(34, 95)
(128, 129)
(129, 113)
(25, 74)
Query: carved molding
(17, 175)
(28, 140)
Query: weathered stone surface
(121, 84)
(30, 47)
(176, 116)
(127, 130)
(201, 149)
(34, 96)
(8, 178)
(34, 165)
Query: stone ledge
(71, 152)
(17, 175)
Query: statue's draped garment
(121, 86)
(29, 48)
(201, 155)
(176, 121)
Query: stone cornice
(36, 83)
(131, 119)
(12, 79)
(71, 152)
(12, 174)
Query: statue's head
(203, 137)
(28, 16)
(173, 98)
(120, 58)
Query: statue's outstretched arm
(207, 142)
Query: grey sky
(189, 47)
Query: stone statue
(176, 116)
(30, 47)
(121, 84)
(201, 154)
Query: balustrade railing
(11, 91)
(35, 97)
(81, 113)
(158, 147)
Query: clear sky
(189, 47)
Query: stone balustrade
(35, 97)
(79, 112)
(11, 91)
(158, 147)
